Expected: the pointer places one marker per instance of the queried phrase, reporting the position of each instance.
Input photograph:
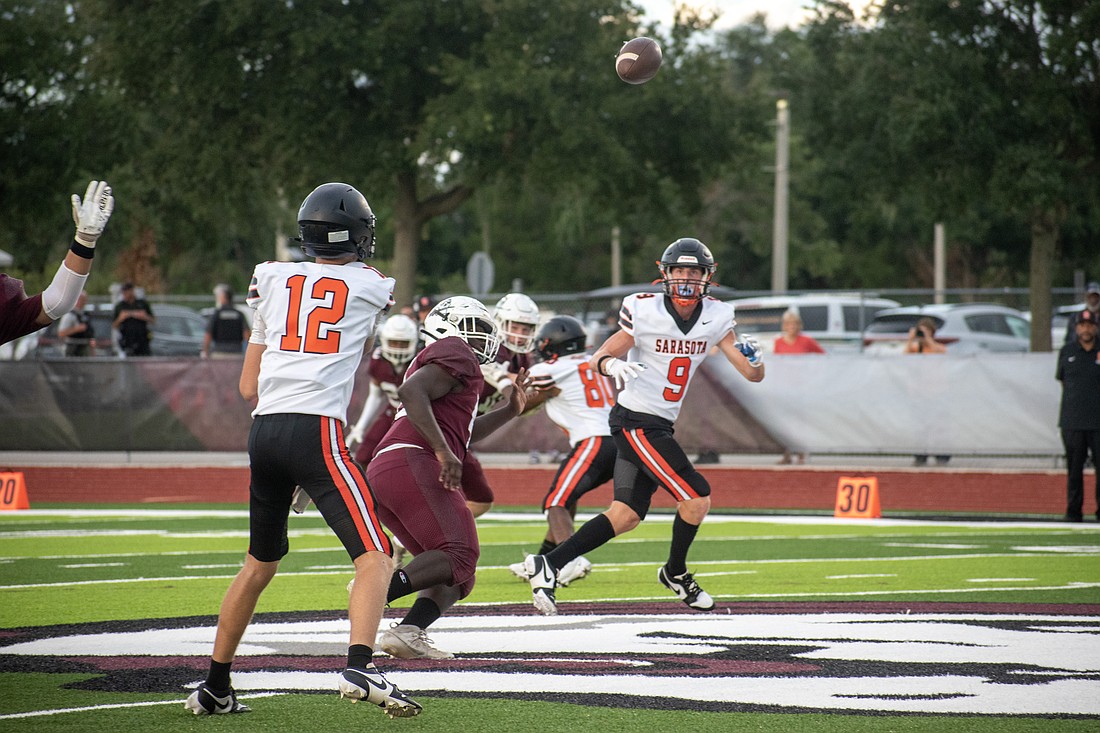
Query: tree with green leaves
(964, 107)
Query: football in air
(638, 60)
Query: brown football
(638, 60)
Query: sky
(735, 12)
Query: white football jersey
(316, 321)
(586, 398)
(671, 355)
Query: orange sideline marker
(857, 497)
(13, 491)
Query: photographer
(922, 338)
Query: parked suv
(835, 321)
(964, 328)
(178, 331)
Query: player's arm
(428, 383)
(372, 408)
(90, 216)
(743, 355)
(608, 362)
(517, 401)
(250, 371)
(543, 389)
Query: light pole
(782, 186)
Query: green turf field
(83, 565)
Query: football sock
(424, 612)
(399, 585)
(683, 534)
(218, 676)
(359, 656)
(594, 533)
(547, 546)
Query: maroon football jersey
(455, 411)
(490, 397)
(18, 313)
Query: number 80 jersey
(586, 398)
(672, 349)
(316, 320)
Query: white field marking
(713, 575)
(933, 545)
(95, 565)
(864, 575)
(602, 567)
(1084, 549)
(116, 706)
(169, 553)
(211, 567)
(1000, 580)
(539, 520)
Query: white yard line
(116, 706)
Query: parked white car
(964, 328)
(836, 321)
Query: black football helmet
(336, 220)
(686, 252)
(560, 336)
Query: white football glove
(750, 347)
(496, 375)
(300, 501)
(91, 214)
(622, 371)
(355, 435)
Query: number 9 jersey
(315, 320)
(671, 348)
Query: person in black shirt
(76, 330)
(133, 318)
(1079, 417)
(227, 331)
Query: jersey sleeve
(626, 314)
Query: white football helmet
(516, 309)
(468, 319)
(398, 337)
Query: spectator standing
(1092, 303)
(793, 341)
(76, 330)
(922, 340)
(666, 337)
(21, 315)
(418, 468)
(311, 318)
(133, 319)
(1079, 415)
(227, 330)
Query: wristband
(599, 364)
(80, 250)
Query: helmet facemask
(517, 317)
(398, 337)
(686, 290)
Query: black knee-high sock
(359, 656)
(592, 534)
(424, 613)
(218, 676)
(546, 547)
(683, 534)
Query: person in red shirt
(793, 341)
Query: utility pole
(939, 261)
(782, 186)
(616, 258)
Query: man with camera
(922, 338)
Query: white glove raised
(621, 371)
(750, 347)
(91, 214)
